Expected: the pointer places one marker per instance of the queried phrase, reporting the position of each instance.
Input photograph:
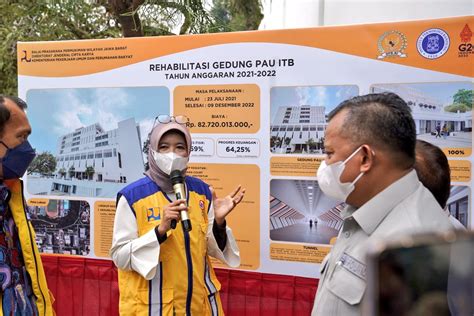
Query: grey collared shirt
(404, 207)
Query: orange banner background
(358, 40)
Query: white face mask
(329, 179)
(170, 161)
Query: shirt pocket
(346, 285)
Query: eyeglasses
(165, 119)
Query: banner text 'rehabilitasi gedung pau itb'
(257, 104)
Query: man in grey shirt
(370, 153)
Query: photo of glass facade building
(94, 162)
(298, 129)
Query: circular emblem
(433, 43)
(201, 204)
(392, 44)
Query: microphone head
(176, 177)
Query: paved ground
(455, 140)
(319, 234)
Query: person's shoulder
(138, 184)
(139, 189)
(197, 185)
(456, 223)
(421, 210)
(194, 180)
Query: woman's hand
(223, 206)
(170, 212)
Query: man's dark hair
(433, 170)
(5, 113)
(381, 119)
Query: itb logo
(433, 43)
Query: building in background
(458, 203)
(300, 212)
(298, 129)
(90, 157)
(286, 14)
(428, 112)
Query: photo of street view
(300, 212)
(442, 110)
(62, 226)
(298, 116)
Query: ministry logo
(433, 43)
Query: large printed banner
(257, 104)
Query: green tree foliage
(44, 163)
(464, 96)
(311, 144)
(89, 172)
(276, 141)
(462, 101)
(52, 20)
(237, 15)
(457, 107)
(42, 20)
(62, 172)
(72, 171)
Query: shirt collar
(371, 214)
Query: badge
(153, 214)
(433, 43)
(352, 265)
(392, 44)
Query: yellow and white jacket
(175, 277)
(31, 254)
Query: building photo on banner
(298, 122)
(90, 141)
(299, 116)
(90, 144)
(443, 117)
(258, 106)
(441, 111)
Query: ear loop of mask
(154, 153)
(349, 158)
(352, 155)
(358, 177)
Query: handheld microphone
(178, 186)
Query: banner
(257, 104)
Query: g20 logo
(466, 47)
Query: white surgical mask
(170, 161)
(329, 179)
